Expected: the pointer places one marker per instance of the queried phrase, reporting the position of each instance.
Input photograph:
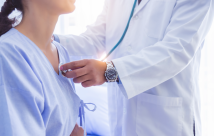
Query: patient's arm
(77, 131)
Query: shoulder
(15, 46)
(10, 41)
(9, 37)
(14, 63)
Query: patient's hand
(78, 131)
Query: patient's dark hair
(9, 6)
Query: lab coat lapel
(139, 7)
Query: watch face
(112, 74)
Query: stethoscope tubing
(124, 33)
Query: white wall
(85, 13)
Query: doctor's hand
(87, 72)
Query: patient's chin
(73, 8)
(70, 9)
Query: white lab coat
(158, 63)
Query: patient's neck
(38, 26)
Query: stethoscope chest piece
(63, 71)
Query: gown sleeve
(162, 61)
(21, 95)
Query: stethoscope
(118, 43)
(82, 114)
(84, 105)
(124, 33)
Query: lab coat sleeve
(21, 97)
(92, 42)
(153, 65)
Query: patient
(35, 99)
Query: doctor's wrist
(111, 73)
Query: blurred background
(85, 14)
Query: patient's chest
(61, 103)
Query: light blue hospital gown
(34, 99)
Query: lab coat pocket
(159, 13)
(158, 116)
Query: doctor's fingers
(76, 73)
(74, 65)
(88, 83)
(81, 79)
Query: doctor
(154, 71)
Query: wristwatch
(111, 72)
